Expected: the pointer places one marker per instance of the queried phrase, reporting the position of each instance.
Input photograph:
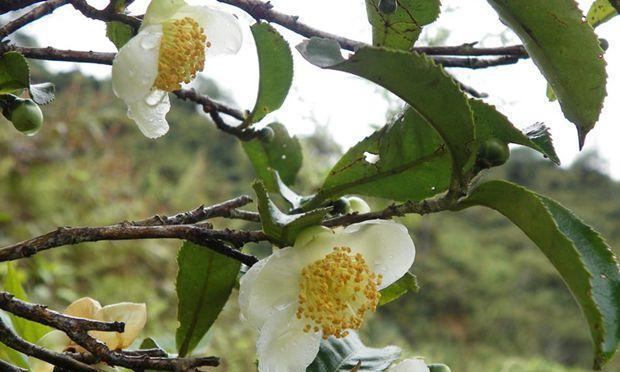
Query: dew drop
(283, 157)
(433, 188)
(155, 97)
(603, 276)
(149, 41)
(371, 158)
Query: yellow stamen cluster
(336, 291)
(181, 53)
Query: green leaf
(28, 330)
(119, 33)
(14, 72)
(150, 343)
(401, 29)
(43, 93)
(204, 282)
(275, 64)
(414, 78)
(280, 227)
(343, 354)
(581, 256)
(412, 164)
(567, 52)
(295, 200)
(602, 11)
(281, 153)
(394, 291)
(492, 123)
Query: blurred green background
(489, 301)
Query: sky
(350, 107)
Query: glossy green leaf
(414, 78)
(275, 64)
(119, 33)
(405, 160)
(291, 197)
(343, 354)
(401, 28)
(492, 123)
(43, 93)
(204, 282)
(408, 283)
(26, 329)
(14, 72)
(281, 153)
(602, 11)
(581, 256)
(567, 52)
(280, 227)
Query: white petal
(283, 346)
(386, 246)
(275, 285)
(221, 28)
(56, 341)
(135, 67)
(134, 317)
(246, 285)
(85, 307)
(410, 365)
(150, 113)
(159, 11)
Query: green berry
(492, 152)
(388, 6)
(340, 206)
(439, 368)
(604, 43)
(25, 115)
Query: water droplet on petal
(149, 41)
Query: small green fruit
(604, 43)
(492, 152)
(25, 115)
(388, 6)
(266, 134)
(340, 206)
(439, 368)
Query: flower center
(181, 53)
(336, 291)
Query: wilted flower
(321, 287)
(170, 48)
(132, 314)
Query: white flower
(321, 287)
(171, 47)
(410, 365)
(132, 314)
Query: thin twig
(36, 13)
(208, 104)
(470, 50)
(53, 54)
(7, 367)
(196, 234)
(106, 15)
(196, 215)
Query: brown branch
(108, 14)
(208, 104)
(244, 134)
(36, 13)
(433, 205)
(77, 330)
(43, 315)
(201, 213)
(470, 50)
(7, 367)
(11, 5)
(53, 54)
(476, 63)
(199, 235)
(10, 339)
